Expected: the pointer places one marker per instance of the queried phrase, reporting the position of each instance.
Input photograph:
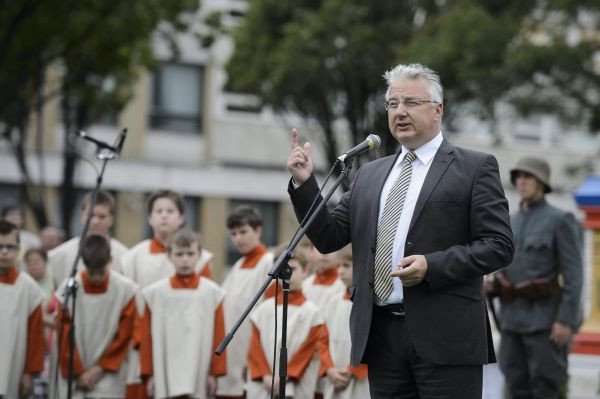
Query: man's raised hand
(299, 161)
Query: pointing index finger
(294, 138)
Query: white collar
(427, 151)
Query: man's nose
(400, 110)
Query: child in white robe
(325, 283)
(104, 318)
(182, 326)
(306, 337)
(21, 326)
(241, 284)
(321, 286)
(344, 381)
(147, 262)
(36, 260)
(61, 258)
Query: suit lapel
(443, 158)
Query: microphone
(371, 142)
(121, 141)
(99, 143)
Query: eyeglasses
(8, 247)
(408, 102)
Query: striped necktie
(386, 230)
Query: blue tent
(588, 194)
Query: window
(177, 98)
(9, 192)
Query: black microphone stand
(281, 270)
(72, 286)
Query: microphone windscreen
(374, 141)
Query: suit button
(373, 249)
(371, 284)
(408, 243)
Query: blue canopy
(589, 192)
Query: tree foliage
(324, 58)
(321, 59)
(98, 46)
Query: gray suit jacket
(461, 225)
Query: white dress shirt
(420, 167)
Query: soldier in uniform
(540, 290)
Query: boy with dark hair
(241, 284)
(11, 212)
(307, 340)
(105, 310)
(21, 325)
(244, 215)
(182, 326)
(61, 258)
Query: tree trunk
(70, 159)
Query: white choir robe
(182, 325)
(241, 285)
(337, 315)
(145, 266)
(97, 321)
(305, 332)
(18, 301)
(61, 258)
(321, 287)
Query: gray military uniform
(546, 245)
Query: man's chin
(404, 136)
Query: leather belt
(393, 309)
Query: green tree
(538, 56)
(324, 58)
(91, 42)
(321, 59)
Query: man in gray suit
(539, 314)
(425, 225)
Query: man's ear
(439, 112)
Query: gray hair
(415, 71)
